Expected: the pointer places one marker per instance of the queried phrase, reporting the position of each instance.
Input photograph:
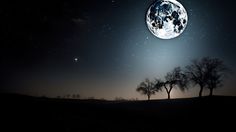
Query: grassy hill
(60, 115)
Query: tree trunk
(171, 87)
(148, 97)
(211, 92)
(168, 95)
(167, 91)
(200, 92)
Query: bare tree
(196, 73)
(215, 73)
(146, 87)
(207, 73)
(78, 96)
(68, 96)
(173, 79)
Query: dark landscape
(25, 113)
(117, 66)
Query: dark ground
(23, 113)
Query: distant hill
(28, 113)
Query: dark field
(23, 113)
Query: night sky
(103, 48)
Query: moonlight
(166, 19)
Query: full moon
(166, 19)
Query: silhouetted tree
(146, 87)
(196, 73)
(173, 79)
(77, 96)
(215, 73)
(207, 73)
(68, 96)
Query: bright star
(76, 59)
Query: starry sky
(103, 48)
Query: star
(76, 59)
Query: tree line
(204, 73)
